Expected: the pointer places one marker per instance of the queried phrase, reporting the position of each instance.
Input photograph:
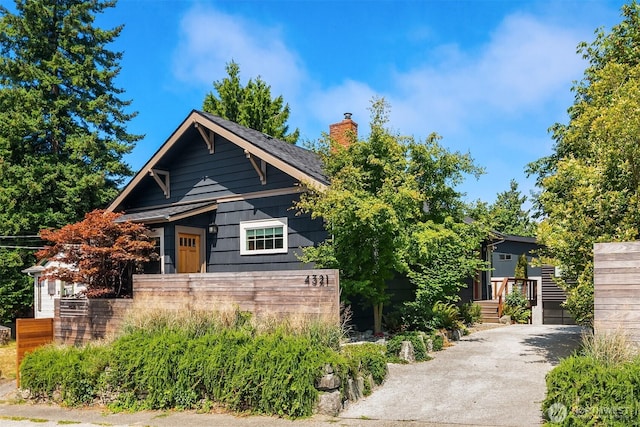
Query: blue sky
(489, 76)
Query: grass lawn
(8, 361)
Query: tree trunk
(377, 318)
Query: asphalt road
(490, 378)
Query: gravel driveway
(494, 377)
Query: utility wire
(20, 247)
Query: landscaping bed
(203, 362)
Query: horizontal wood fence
(617, 288)
(31, 334)
(308, 293)
(79, 321)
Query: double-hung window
(268, 236)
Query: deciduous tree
(591, 182)
(62, 123)
(251, 105)
(391, 209)
(98, 252)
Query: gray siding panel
(507, 268)
(551, 291)
(196, 174)
(225, 250)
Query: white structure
(45, 291)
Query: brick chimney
(345, 131)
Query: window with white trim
(266, 236)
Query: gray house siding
(218, 184)
(195, 174)
(224, 253)
(505, 257)
(223, 249)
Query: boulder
(329, 403)
(328, 382)
(505, 320)
(352, 391)
(407, 352)
(429, 345)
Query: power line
(20, 247)
(21, 237)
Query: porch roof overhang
(169, 213)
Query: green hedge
(77, 374)
(582, 391)
(366, 359)
(270, 373)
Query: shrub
(271, 373)
(445, 316)
(164, 362)
(437, 341)
(442, 315)
(516, 306)
(594, 393)
(608, 348)
(416, 339)
(364, 360)
(470, 313)
(76, 373)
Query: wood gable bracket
(162, 179)
(207, 135)
(261, 169)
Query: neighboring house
(503, 251)
(45, 290)
(219, 198)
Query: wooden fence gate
(31, 334)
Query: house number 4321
(317, 280)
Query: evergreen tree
(250, 106)
(62, 125)
(507, 214)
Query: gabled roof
(300, 163)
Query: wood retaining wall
(308, 293)
(617, 288)
(78, 321)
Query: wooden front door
(188, 253)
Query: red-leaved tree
(98, 252)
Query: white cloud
(328, 105)
(210, 39)
(524, 66)
(521, 69)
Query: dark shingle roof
(163, 214)
(300, 158)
